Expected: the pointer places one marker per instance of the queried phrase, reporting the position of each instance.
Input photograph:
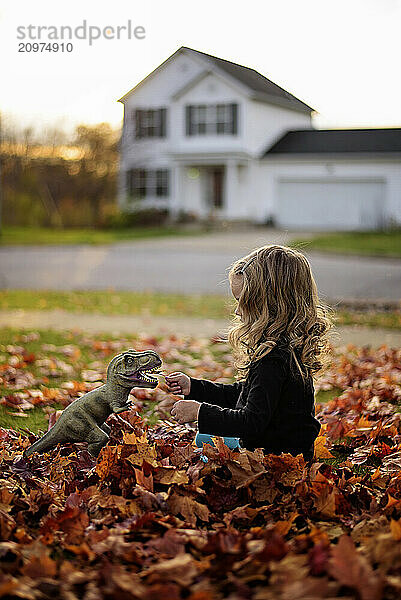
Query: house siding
(251, 180)
(269, 172)
(266, 123)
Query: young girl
(279, 342)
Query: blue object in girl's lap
(231, 442)
(200, 438)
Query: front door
(215, 189)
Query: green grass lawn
(369, 243)
(52, 344)
(111, 302)
(35, 419)
(43, 236)
(374, 243)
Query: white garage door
(329, 204)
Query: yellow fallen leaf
(321, 450)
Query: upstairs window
(150, 123)
(143, 183)
(204, 119)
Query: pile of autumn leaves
(150, 520)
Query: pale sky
(342, 57)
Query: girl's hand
(185, 411)
(178, 383)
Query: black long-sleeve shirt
(272, 409)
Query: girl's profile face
(236, 287)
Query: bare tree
(54, 137)
(28, 140)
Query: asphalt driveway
(197, 264)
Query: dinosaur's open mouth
(142, 376)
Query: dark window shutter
(188, 118)
(148, 130)
(167, 175)
(142, 183)
(129, 182)
(234, 118)
(159, 182)
(138, 123)
(134, 180)
(163, 114)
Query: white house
(204, 135)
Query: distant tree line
(51, 179)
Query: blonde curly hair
(279, 303)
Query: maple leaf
(395, 527)
(107, 459)
(382, 549)
(325, 503)
(72, 521)
(12, 587)
(181, 569)
(283, 527)
(40, 566)
(289, 570)
(143, 480)
(144, 452)
(264, 489)
(171, 544)
(188, 508)
(181, 454)
(248, 518)
(243, 477)
(285, 468)
(318, 557)
(320, 447)
(6, 499)
(353, 570)
(168, 475)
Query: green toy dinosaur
(84, 419)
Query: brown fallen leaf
(353, 570)
(169, 475)
(325, 503)
(181, 569)
(188, 508)
(40, 566)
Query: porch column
(232, 209)
(122, 193)
(175, 197)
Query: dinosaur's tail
(46, 442)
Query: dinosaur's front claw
(121, 409)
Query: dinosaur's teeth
(147, 377)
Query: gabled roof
(260, 87)
(344, 141)
(254, 81)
